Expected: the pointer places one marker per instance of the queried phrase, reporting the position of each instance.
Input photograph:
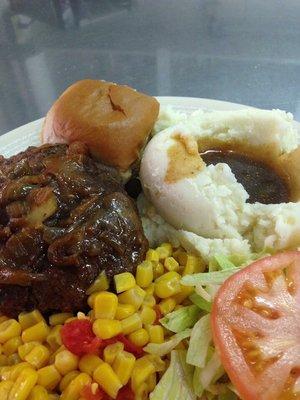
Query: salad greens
(177, 382)
(194, 373)
(166, 347)
(200, 302)
(200, 340)
(204, 278)
(181, 319)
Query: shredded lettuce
(203, 377)
(165, 348)
(177, 382)
(224, 262)
(200, 302)
(181, 319)
(201, 337)
(205, 278)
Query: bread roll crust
(114, 121)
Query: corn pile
(36, 364)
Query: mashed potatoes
(207, 210)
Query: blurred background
(244, 51)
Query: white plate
(29, 135)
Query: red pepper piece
(137, 351)
(79, 338)
(88, 394)
(125, 393)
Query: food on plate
(210, 312)
(224, 178)
(256, 328)
(114, 121)
(64, 219)
(116, 350)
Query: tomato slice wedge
(256, 328)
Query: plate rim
(21, 137)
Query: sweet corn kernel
(91, 299)
(59, 319)
(48, 377)
(54, 337)
(139, 337)
(142, 392)
(100, 284)
(23, 384)
(38, 356)
(164, 250)
(13, 359)
(193, 265)
(88, 363)
(65, 362)
(167, 285)
(28, 319)
(152, 255)
(151, 382)
(150, 289)
(171, 264)
(123, 366)
(53, 355)
(124, 311)
(107, 328)
(38, 393)
(73, 390)
(142, 369)
(124, 281)
(11, 373)
(159, 364)
(5, 388)
(38, 332)
(134, 296)
(26, 348)
(185, 291)
(144, 274)
(148, 315)
(111, 351)
(131, 324)
(9, 329)
(11, 345)
(105, 376)
(149, 300)
(156, 333)
(167, 305)
(105, 305)
(158, 270)
(65, 381)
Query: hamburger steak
(63, 219)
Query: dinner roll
(114, 121)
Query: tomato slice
(256, 328)
(79, 338)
